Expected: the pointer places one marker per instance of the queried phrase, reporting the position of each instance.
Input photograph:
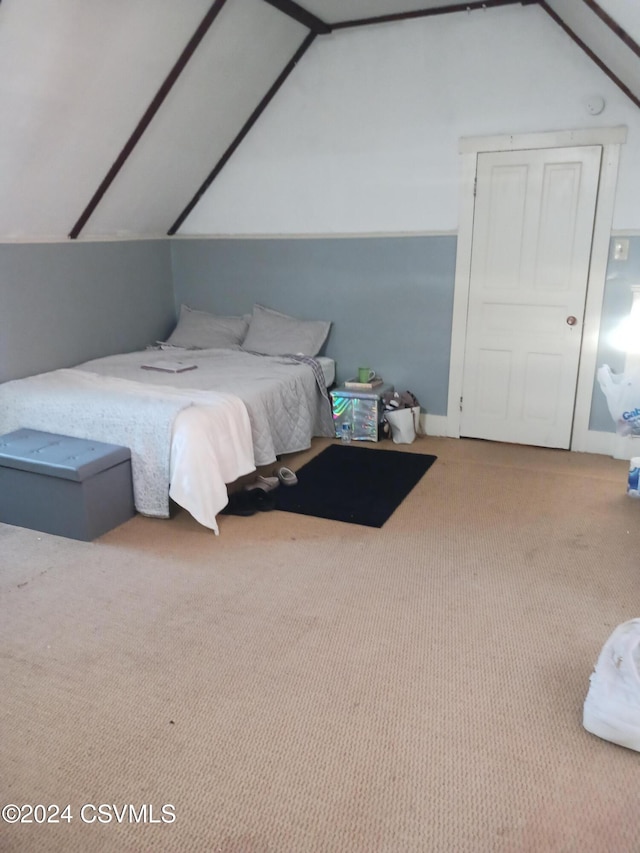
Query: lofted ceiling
(119, 114)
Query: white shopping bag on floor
(403, 424)
(612, 706)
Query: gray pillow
(201, 330)
(272, 333)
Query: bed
(233, 406)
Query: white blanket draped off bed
(189, 433)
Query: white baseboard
(433, 424)
(604, 443)
(612, 444)
(626, 447)
(599, 442)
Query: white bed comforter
(284, 402)
(189, 433)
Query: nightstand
(362, 409)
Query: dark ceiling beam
(255, 115)
(613, 26)
(424, 13)
(295, 11)
(591, 54)
(149, 114)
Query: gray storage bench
(67, 486)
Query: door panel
(541, 387)
(532, 232)
(494, 378)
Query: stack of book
(354, 385)
(168, 366)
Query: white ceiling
(618, 57)
(99, 138)
(248, 45)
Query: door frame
(469, 147)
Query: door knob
(571, 320)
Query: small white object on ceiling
(595, 105)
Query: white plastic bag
(416, 419)
(403, 424)
(622, 391)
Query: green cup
(365, 374)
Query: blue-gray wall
(390, 299)
(64, 303)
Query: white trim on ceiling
(552, 139)
(325, 235)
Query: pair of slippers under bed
(257, 497)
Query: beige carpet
(298, 684)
